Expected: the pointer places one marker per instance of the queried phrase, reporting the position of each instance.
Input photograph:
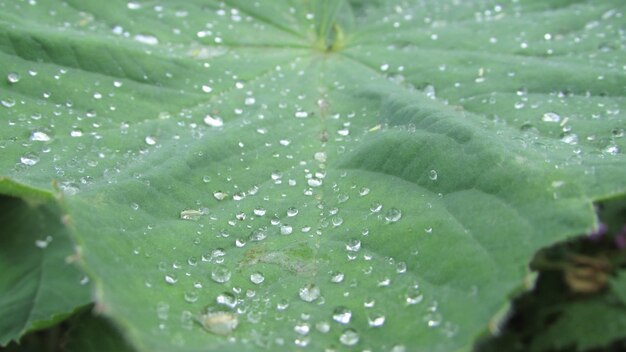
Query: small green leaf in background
(90, 333)
(249, 175)
(38, 287)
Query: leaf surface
(38, 287)
(214, 154)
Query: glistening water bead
(257, 277)
(349, 337)
(220, 323)
(13, 77)
(309, 293)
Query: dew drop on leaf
(323, 327)
(309, 293)
(227, 299)
(219, 195)
(349, 337)
(432, 175)
(191, 296)
(39, 136)
(286, 229)
(291, 212)
(220, 274)
(393, 215)
(342, 315)
(376, 319)
(29, 159)
(220, 323)
(190, 214)
(146, 39)
(76, 132)
(213, 121)
(7, 102)
(171, 279)
(551, 117)
(13, 77)
(353, 245)
(257, 277)
(150, 140)
(336, 277)
(302, 328)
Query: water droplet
(213, 121)
(258, 235)
(301, 114)
(29, 159)
(38, 136)
(364, 191)
(146, 39)
(43, 243)
(376, 319)
(612, 149)
(13, 77)
(171, 279)
(190, 214)
(353, 245)
(259, 211)
(342, 315)
(314, 182)
(191, 296)
(398, 348)
(220, 323)
(207, 89)
(76, 133)
(291, 212)
(219, 195)
(257, 277)
(430, 92)
(349, 337)
(309, 293)
(401, 267)
(322, 327)
(393, 215)
(227, 299)
(413, 295)
(376, 207)
(551, 117)
(432, 174)
(282, 304)
(220, 274)
(570, 138)
(302, 328)
(150, 140)
(337, 221)
(336, 277)
(8, 102)
(286, 229)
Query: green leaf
(408, 168)
(588, 324)
(91, 333)
(38, 287)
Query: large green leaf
(38, 286)
(404, 158)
